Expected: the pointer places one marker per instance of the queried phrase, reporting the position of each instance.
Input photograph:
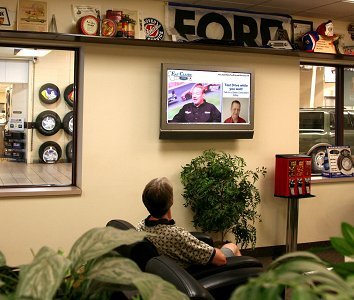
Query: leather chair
(197, 281)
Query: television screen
(206, 102)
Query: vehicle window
(347, 122)
(37, 117)
(332, 121)
(311, 120)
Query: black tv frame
(204, 130)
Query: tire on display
(317, 156)
(49, 93)
(69, 95)
(68, 123)
(49, 152)
(48, 122)
(345, 162)
(69, 151)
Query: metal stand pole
(292, 225)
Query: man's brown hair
(158, 196)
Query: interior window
(349, 108)
(317, 111)
(318, 114)
(37, 116)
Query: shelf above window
(45, 37)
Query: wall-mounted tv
(206, 102)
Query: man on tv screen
(235, 113)
(198, 111)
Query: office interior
(119, 149)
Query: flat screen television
(206, 102)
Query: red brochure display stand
(292, 181)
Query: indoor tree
(222, 195)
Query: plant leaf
(344, 269)
(152, 287)
(117, 270)
(41, 278)
(295, 255)
(342, 246)
(123, 271)
(2, 259)
(302, 293)
(99, 241)
(348, 234)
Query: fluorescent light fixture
(349, 1)
(28, 52)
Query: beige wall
(121, 152)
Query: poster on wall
(190, 23)
(8, 15)
(79, 11)
(32, 16)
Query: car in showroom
(317, 131)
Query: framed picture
(4, 17)
(32, 16)
(299, 28)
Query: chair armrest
(221, 285)
(233, 263)
(204, 237)
(170, 271)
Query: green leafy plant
(306, 276)
(222, 194)
(90, 271)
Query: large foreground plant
(90, 271)
(222, 194)
(305, 276)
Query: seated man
(174, 241)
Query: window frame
(338, 113)
(74, 188)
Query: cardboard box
(338, 162)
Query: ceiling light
(348, 1)
(28, 52)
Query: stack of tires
(48, 123)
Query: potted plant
(222, 195)
(306, 276)
(91, 270)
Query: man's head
(198, 94)
(235, 109)
(158, 196)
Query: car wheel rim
(347, 164)
(319, 158)
(71, 125)
(48, 123)
(50, 155)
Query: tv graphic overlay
(206, 102)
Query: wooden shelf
(74, 39)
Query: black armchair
(198, 282)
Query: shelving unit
(15, 146)
(48, 38)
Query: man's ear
(169, 214)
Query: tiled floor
(19, 173)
